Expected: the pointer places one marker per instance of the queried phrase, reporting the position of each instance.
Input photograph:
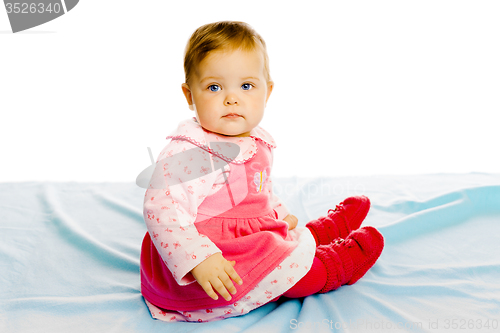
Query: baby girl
(219, 242)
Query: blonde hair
(224, 35)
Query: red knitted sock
(347, 216)
(311, 283)
(341, 262)
(346, 261)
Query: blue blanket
(69, 259)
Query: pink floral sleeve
(170, 213)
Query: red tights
(311, 283)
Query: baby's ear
(189, 97)
(270, 86)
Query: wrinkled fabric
(69, 258)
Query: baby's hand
(291, 220)
(217, 272)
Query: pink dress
(228, 208)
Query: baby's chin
(228, 132)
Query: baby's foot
(346, 217)
(347, 260)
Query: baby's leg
(340, 262)
(311, 283)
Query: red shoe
(346, 261)
(346, 217)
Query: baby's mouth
(232, 116)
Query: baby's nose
(231, 99)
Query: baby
(215, 228)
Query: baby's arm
(170, 213)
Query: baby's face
(229, 92)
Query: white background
(361, 87)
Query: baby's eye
(246, 86)
(214, 87)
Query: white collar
(190, 130)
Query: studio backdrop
(361, 87)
